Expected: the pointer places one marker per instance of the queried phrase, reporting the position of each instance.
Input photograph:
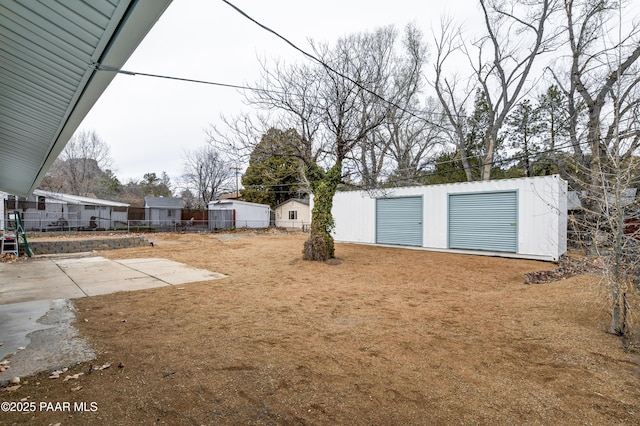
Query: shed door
(399, 221)
(484, 221)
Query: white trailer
(245, 214)
(523, 218)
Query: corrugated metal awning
(48, 80)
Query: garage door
(399, 221)
(484, 221)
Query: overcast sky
(148, 123)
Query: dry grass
(379, 336)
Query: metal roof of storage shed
(49, 51)
(163, 202)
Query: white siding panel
(354, 215)
(542, 220)
(252, 216)
(248, 215)
(303, 213)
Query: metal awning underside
(48, 82)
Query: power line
(424, 175)
(474, 166)
(327, 66)
(100, 67)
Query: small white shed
(163, 211)
(293, 214)
(238, 214)
(525, 218)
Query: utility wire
(325, 65)
(100, 67)
(424, 175)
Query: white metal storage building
(245, 214)
(524, 217)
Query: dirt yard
(380, 336)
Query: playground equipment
(10, 240)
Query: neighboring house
(3, 212)
(525, 218)
(229, 196)
(162, 211)
(238, 214)
(293, 214)
(52, 211)
(581, 227)
(628, 197)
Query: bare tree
(601, 76)
(207, 174)
(399, 147)
(413, 139)
(335, 106)
(80, 164)
(454, 92)
(501, 62)
(605, 79)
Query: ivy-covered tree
(335, 104)
(274, 174)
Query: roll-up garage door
(484, 221)
(399, 221)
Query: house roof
(76, 199)
(49, 55)
(229, 196)
(163, 202)
(299, 200)
(215, 202)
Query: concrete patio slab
(97, 275)
(35, 312)
(171, 272)
(42, 330)
(35, 279)
(25, 293)
(135, 283)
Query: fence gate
(222, 219)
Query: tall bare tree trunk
(488, 159)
